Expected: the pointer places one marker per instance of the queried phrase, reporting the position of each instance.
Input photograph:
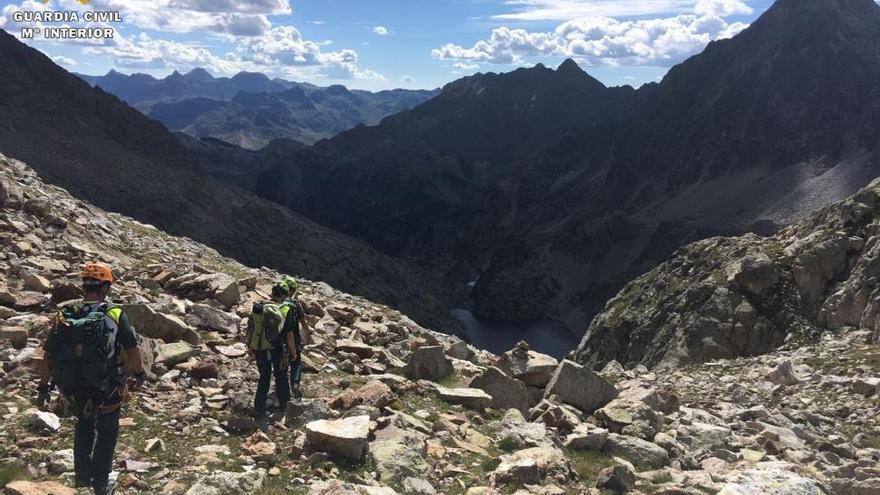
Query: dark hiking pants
(269, 363)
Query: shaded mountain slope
(749, 135)
(102, 150)
(395, 184)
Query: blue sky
(380, 44)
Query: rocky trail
(391, 407)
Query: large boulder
(507, 393)
(533, 467)
(472, 398)
(10, 192)
(36, 283)
(374, 393)
(530, 367)
(617, 479)
(358, 348)
(151, 323)
(429, 363)
(176, 353)
(395, 461)
(630, 417)
(783, 374)
(344, 437)
(210, 318)
(642, 454)
(578, 386)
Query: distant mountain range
(100, 149)
(552, 191)
(250, 109)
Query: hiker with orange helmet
(85, 352)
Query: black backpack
(82, 348)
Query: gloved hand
(42, 396)
(138, 381)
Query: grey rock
(345, 437)
(429, 363)
(507, 393)
(578, 386)
(642, 454)
(618, 479)
(396, 461)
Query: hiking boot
(259, 414)
(107, 489)
(296, 392)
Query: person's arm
(128, 340)
(44, 369)
(289, 331)
(291, 344)
(306, 331)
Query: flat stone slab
(344, 437)
(472, 398)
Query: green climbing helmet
(292, 284)
(280, 289)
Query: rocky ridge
(392, 407)
(744, 296)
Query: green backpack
(267, 322)
(82, 348)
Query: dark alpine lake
(547, 337)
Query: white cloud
(722, 8)
(64, 61)
(144, 52)
(227, 17)
(381, 31)
(283, 51)
(261, 7)
(464, 67)
(407, 79)
(563, 10)
(285, 46)
(599, 41)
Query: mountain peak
(199, 74)
(570, 66)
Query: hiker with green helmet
(264, 339)
(297, 334)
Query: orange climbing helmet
(98, 272)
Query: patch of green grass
(451, 381)
(10, 473)
(490, 464)
(588, 463)
(510, 444)
(279, 485)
